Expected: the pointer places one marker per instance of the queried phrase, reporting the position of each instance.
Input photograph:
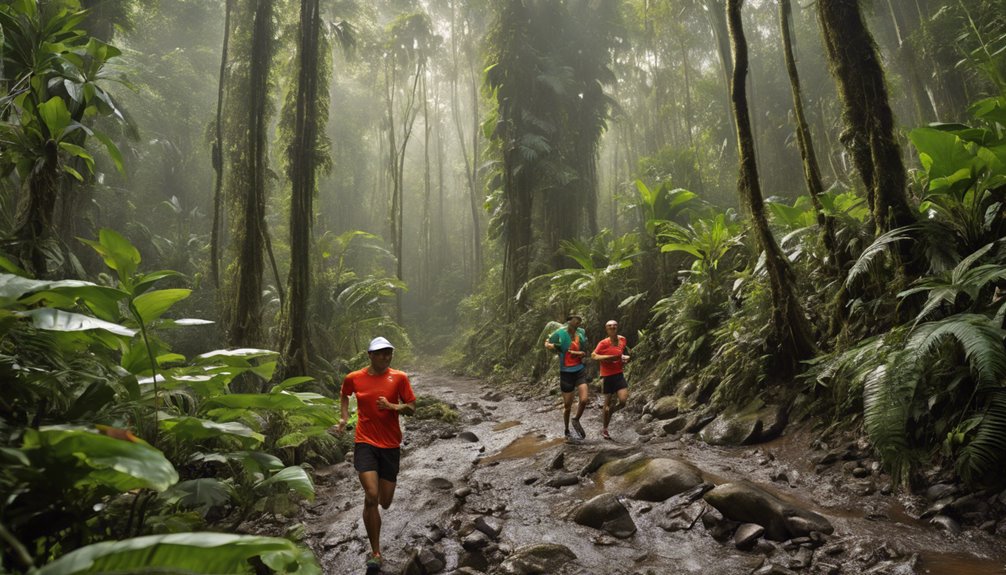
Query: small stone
(860, 472)
(944, 523)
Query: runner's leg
(386, 492)
(567, 404)
(371, 514)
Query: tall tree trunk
(218, 151)
(469, 156)
(396, 162)
(244, 326)
(811, 169)
(294, 333)
(718, 23)
(790, 340)
(869, 135)
(426, 226)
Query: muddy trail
(496, 493)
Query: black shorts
(612, 383)
(570, 380)
(384, 461)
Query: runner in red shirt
(611, 354)
(381, 394)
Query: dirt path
(505, 452)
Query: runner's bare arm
(405, 408)
(344, 408)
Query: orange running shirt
(378, 427)
(604, 347)
(571, 360)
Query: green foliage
(188, 552)
(86, 379)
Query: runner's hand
(382, 403)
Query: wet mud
(498, 461)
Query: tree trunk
(717, 21)
(790, 339)
(294, 332)
(811, 169)
(244, 326)
(218, 151)
(469, 157)
(869, 135)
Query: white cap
(379, 343)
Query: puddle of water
(522, 447)
(958, 564)
(505, 425)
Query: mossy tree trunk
(790, 339)
(247, 103)
(869, 134)
(310, 112)
(811, 169)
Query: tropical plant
(57, 77)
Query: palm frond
(880, 246)
(985, 452)
(981, 339)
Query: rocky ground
(501, 491)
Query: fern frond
(981, 339)
(879, 246)
(888, 394)
(985, 452)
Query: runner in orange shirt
(611, 353)
(381, 394)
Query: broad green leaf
(291, 382)
(55, 116)
(146, 281)
(113, 152)
(294, 478)
(13, 287)
(191, 553)
(941, 153)
(118, 253)
(57, 320)
(203, 493)
(116, 463)
(103, 301)
(194, 429)
(78, 152)
(151, 305)
(992, 109)
(292, 439)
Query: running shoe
(374, 564)
(604, 434)
(579, 428)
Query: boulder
(563, 479)
(674, 425)
(665, 407)
(537, 559)
(744, 502)
(754, 423)
(491, 526)
(747, 535)
(606, 512)
(662, 478)
(605, 456)
(425, 560)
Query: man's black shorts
(384, 461)
(570, 380)
(612, 383)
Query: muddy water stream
(514, 448)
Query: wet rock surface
(502, 492)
